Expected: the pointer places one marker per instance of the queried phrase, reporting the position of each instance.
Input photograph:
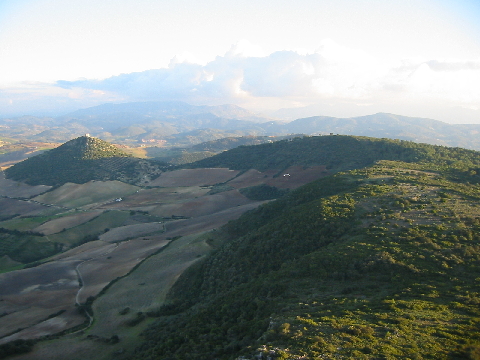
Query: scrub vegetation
(381, 262)
(377, 259)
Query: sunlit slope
(380, 262)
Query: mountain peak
(79, 160)
(89, 148)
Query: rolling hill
(376, 262)
(80, 160)
(384, 125)
(178, 124)
(377, 259)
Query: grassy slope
(379, 263)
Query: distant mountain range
(177, 124)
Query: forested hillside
(379, 262)
(336, 152)
(80, 160)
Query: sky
(320, 57)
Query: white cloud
(331, 74)
(332, 71)
(245, 48)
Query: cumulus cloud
(243, 72)
(333, 75)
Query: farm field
(113, 263)
(290, 178)
(98, 263)
(30, 296)
(147, 199)
(146, 287)
(91, 229)
(94, 192)
(121, 246)
(122, 233)
(121, 303)
(203, 205)
(194, 177)
(66, 222)
(13, 207)
(296, 176)
(15, 189)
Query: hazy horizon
(335, 58)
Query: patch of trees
(16, 347)
(26, 246)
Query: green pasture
(29, 223)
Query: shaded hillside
(179, 156)
(377, 263)
(233, 142)
(79, 160)
(336, 152)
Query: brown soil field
(296, 176)
(86, 251)
(251, 177)
(155, 276)
(94, 227)
(66, 320)
(194, 177)
(146, 288)
(66, 222)
(10, 207)
(290, 178)
(130, 231)
(29, 296)
(206, 222)
(148, 197)
(97, 273)
(93, 192)
(16, 189)
(204, 205)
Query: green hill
(79, 160)
(337, 152)
(379, 262)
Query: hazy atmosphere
(338, 58)
(239, 180)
